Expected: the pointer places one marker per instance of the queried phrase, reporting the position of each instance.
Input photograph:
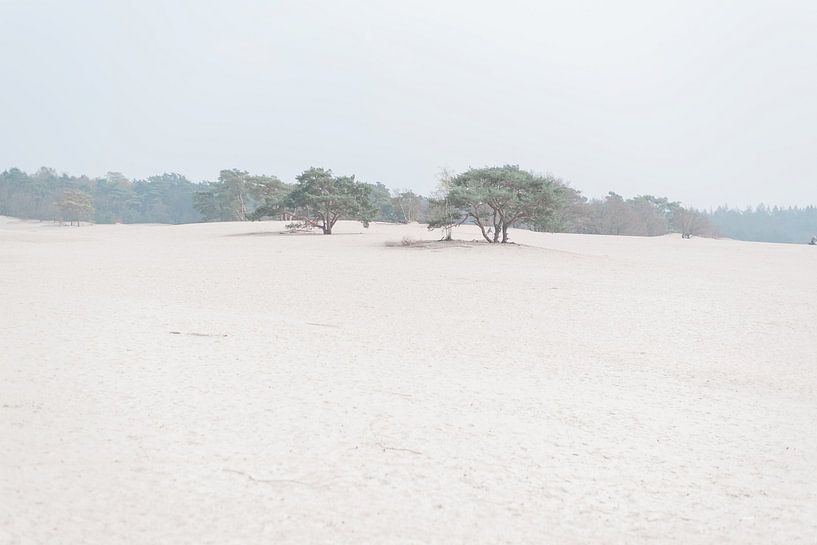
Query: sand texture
(224, 383)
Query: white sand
(582, 389)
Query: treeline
(46, 195)
(644, 215)
(497, 198)
(766, 224)
(171, 198)
(493, 198)
(240, 196)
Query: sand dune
(224, 383)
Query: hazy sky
(707, 102)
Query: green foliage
(160, 199)
(115, 199)
(234, 197)
(496, 198)
(272, 194)
(382, 203)
(442, 215)
(320, 199)
(568, 214)
(165, 198)
(493, 198)
(766, 224)
(210, 204)
(75, 206)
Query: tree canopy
(320, 199)
(766, 223)
(76, 206)
(497, 198)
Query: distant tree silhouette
(766, 224)
(167, 198)
(76, 206)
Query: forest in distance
(549, 204)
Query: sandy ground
(223, 383)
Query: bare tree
(408, 203)
(693, 223)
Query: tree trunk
(482, 228)
(504, 233)
(242, 210)
(497, 219)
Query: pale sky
(707, 102)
